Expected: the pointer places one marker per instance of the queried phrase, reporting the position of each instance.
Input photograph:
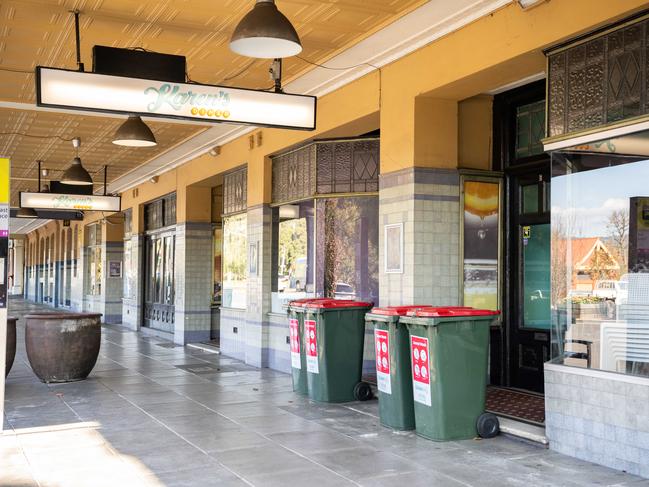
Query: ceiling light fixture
(527, 4)
(26, 213)
(265, 33)
(134, 133)
(76, 174)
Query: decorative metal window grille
(326, 167)
(160, 213)
(599, 81)
(235, 191)
(128, 222)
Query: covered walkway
(156, 414)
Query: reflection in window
(600, 255)
(93, 239)
(327, 248)
(295, 271)
(347, 252)
(217, 263)
(235, 261)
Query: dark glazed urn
(62, 347)
(11, 344)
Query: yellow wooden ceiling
(41, 32)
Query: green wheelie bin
(396, 408)
(295, 311)
(449, 356)
(334, 334)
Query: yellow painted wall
(475, 136)
(414, 100)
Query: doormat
(519, 405)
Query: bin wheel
(363, 391)
(488, 425)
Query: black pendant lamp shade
(76, 174)
(265, 33)
(26, 213)
(134, 133)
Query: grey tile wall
(599, 417)
(193, 279)
(427, 203)
(131, 308)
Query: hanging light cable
(76, 174)
(265, 33)
(134, 133)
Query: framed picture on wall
(114, 268)
(394, 248)
(253, 258)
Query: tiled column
(259, 285)
(18, 264)
(78, 278)
(193, 267)
(427, 202)
(112, 287)
(131, 308)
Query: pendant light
(134, 133)
(76, 174)
(265, 33)
(26, 213)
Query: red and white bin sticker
(382, 344)
(420, 370)
(311, 342)
(295, 343)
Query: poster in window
(394, 248)
(481, 243)
(114, 268)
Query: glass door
(529, 334)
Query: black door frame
(504, 159)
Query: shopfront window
(94, 263)
(295, 254)
(347, 248)
(217, 265)
(235, 261)
(600, 255)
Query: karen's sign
(57, 201)
(58, 88)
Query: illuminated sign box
(59, 88)
(57, 201)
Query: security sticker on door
(420, 370)
(311, 342)
(382, 344)
(295, 343)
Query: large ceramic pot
(11, 344)
(62, 347)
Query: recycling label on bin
(311, 342)
(295, 343)
(382, 343)
(420, 371)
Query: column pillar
(259, 249)
(18, 266)
(193, 264)
(420, 191)
(113, 257)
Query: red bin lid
(398, 310)
(337, 304)
(453, 311)
(414, 312)
(304, 301)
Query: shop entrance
(519, 127)
(529, 266)
(159, 271)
